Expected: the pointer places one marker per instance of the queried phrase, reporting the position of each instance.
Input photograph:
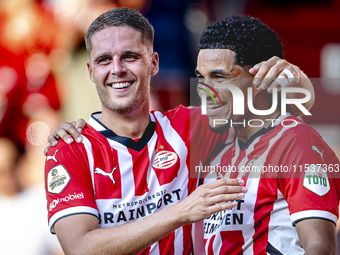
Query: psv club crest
(164, 159)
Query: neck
(245, 132)
(130, 125)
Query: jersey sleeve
(312, 189)
(68, 183)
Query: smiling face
(121, 65)
(216, 66)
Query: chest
(131, 184)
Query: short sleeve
(68, 183)
(312, 187)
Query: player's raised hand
(210, 198)
(275, 73)
(68, 131)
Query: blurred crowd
(44, 81)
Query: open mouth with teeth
(121, 85)
(214, 102)
(213, 106)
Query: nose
(206, 85)
(117, 67)
(207, 82)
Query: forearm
(79, 234)
(125, 239)
(135, 237)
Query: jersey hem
(70, 211)
(312, 214)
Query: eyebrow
(135, 53)
(216, 71)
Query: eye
(200, 78)
(219, 78)
(130, 57)
(104, 60)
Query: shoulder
(293, 128)
(180, 111)
(298, 140)
(67, 155)
(74, 154)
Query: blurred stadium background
(44, 79)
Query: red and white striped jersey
(285, 185)
(120, 180)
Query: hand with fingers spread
(215, 196)
(279, 73)
(68, 131)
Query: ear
(89, 69)
(155, 64)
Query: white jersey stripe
(92, 122)
(152, 118)
(178, 145)
(172, 137)
(179, 236)
(151, 175)
(281, 235)
(237, 153)
(217, 161)
(125, 163)
(217, 244)
(154, 249)
(88, 148)
(248, 230)
(245, 159)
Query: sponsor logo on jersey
(316, 180)
(53, 157)
(57, 179)
(55, 202)
(314, 148)
(231, 217)
(102, 172)
(137, 209)
(164, 159)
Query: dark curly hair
(251, 40)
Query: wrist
(176, 216)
